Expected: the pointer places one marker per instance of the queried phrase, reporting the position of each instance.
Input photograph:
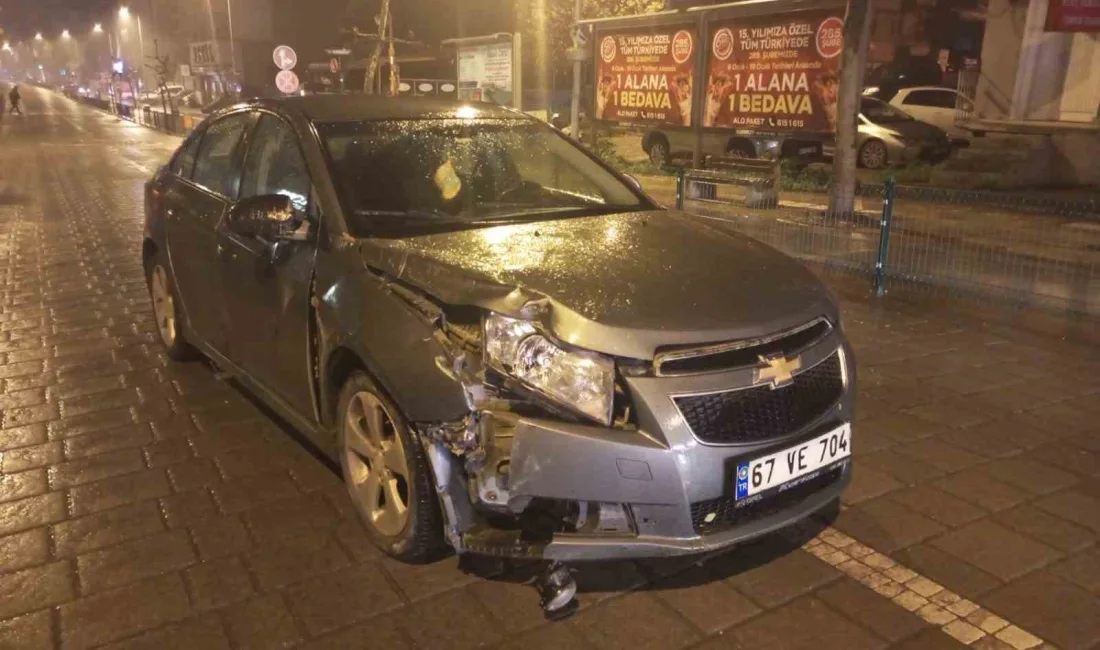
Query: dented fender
(396, 342)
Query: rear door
(932, 105)
(267, 284)
(194, 206)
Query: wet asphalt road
(147, 504)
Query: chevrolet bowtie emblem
(778, 371)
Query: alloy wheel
(375, 460)
(164, 306)
(658, 153)
(874, 155)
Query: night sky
(431, 20)
(22, 18)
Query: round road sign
(285, 57)
(287, 82)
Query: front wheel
(387, 474)
(873, 154)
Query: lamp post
(124, 15)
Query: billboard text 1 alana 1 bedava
(646, 75)
(775, 73)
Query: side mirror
(634, 182)
(271, 216)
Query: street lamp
(124, 15)
(65, 34)
(98, 29)
(38, 36)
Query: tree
(550, 20)
(857, 32)
(383, 20)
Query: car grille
(761, 413)
(728, 515)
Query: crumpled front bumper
(662, 469)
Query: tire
(399, 509)
(873, 154)
(166, 310)
(658, 152)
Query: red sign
(1073, 16)
(775, 73)
(334, 65)
(646, 75)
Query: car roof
(914, 88)
(359, 107)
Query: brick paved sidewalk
(146, 504)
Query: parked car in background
(505, 344)
(937, 106)
(889, 136)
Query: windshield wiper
(543, 212)
(437, 216)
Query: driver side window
(275, 164)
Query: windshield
(880, 112)
(466, 171)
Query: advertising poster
(646, 75)
(775, 73)
(1073, 16)
(485, 73)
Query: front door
(194, 205)
(267, 284)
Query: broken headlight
(579, 380)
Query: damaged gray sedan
(508, 347)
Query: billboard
(646, 75)
(1073, 16)
(775, 73)
(485, 73)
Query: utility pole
(575, 105)
(383, 20)
(857, 32)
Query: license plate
(762, 474)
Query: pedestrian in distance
(15, 100)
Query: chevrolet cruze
(507, 346)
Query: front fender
(395, 342)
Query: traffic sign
(287, 82)
(285, 57)
(334, 65)
(580, 35)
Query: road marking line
(964, 620)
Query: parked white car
(936, 106)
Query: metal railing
(146, 115)
(1031, 248)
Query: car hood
(622, 284)
(913, 129)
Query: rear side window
(215, 167)
(933, 98)
(184, 161)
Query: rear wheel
(166, 310)
(387, 474)
(658, 152)
(873, 154)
